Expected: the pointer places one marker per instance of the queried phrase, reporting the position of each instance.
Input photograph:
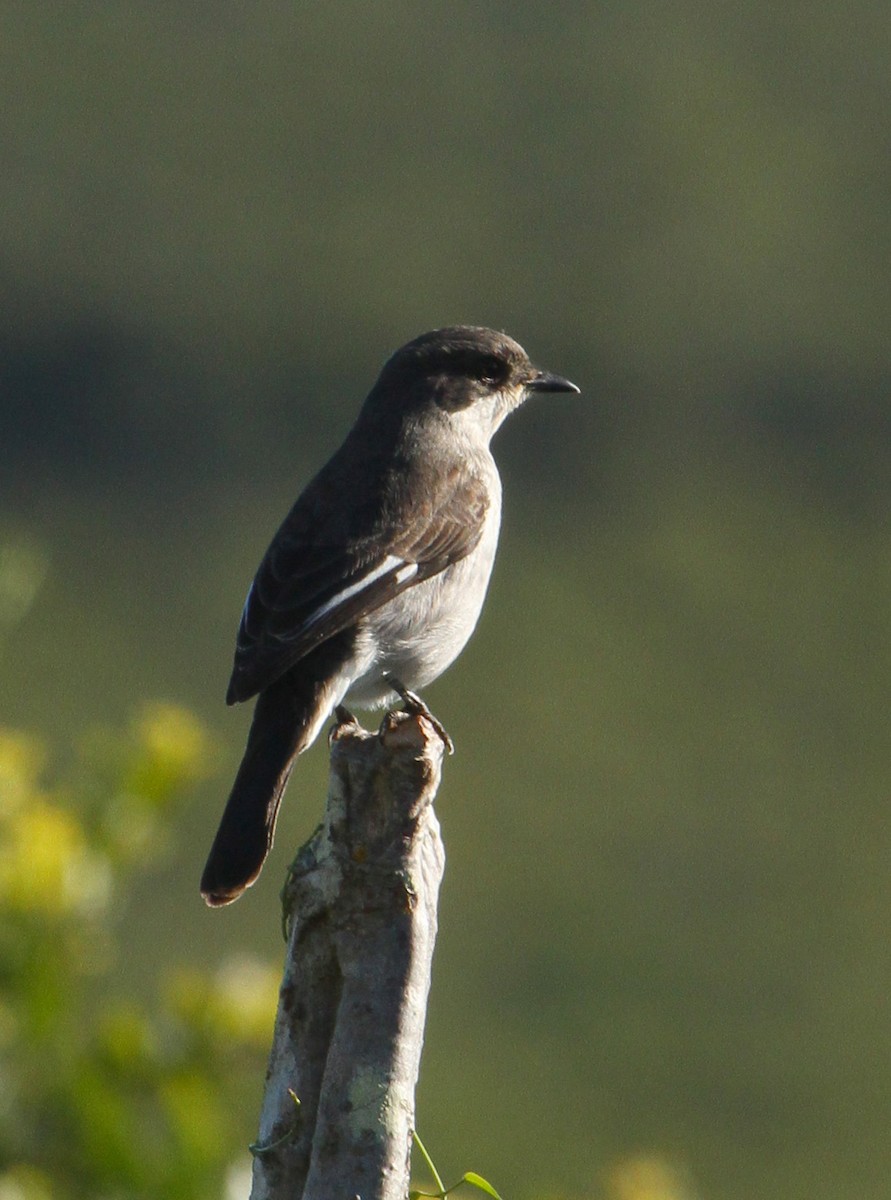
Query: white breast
(420, 633)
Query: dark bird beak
(545, 382)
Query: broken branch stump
(362, 907)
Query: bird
(375, 580)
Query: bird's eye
(492, 371)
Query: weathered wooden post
(338, 1110)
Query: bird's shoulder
(367, 503)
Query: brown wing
(330, 564)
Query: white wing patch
(405, 571)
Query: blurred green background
(664, 923)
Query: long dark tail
(286, 719)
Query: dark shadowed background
(664, 927)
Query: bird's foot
(413, 704)
(344, 720)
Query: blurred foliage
(105, 1091)
(663, 934)
(648, 1178)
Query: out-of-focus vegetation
(664, 925)
(108, 1091)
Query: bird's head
(466, 369)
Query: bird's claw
(413, 704)
(343, 719)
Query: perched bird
(376, 578)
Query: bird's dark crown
(462, 353)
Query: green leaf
(477, 1181)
